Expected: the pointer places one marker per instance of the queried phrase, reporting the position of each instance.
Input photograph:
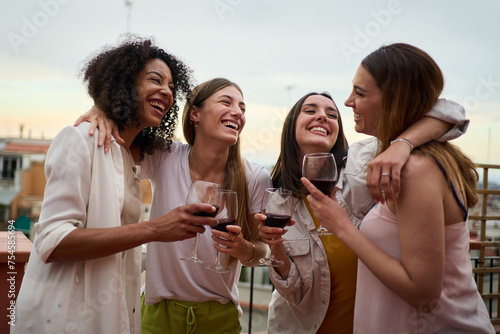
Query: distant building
(22, 180)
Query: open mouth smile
(320, 130)
(230, 124)
(158, 106)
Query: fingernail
(106, 150)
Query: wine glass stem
(195, 248)
(272, 252)
(217, 259)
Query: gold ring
(232, 239)
(95, 118)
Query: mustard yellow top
(343, 265)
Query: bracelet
(403, 140)
(253, 254)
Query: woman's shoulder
(258, 177)
(253, 169)
(176, 148)
(421, 168)
(75, 135)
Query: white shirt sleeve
(451, 112)
(68, 172)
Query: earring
(195, 125)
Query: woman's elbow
(426, 302)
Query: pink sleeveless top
(460, 309)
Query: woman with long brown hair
(181, 294)
(414, 270)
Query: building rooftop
(22, 145)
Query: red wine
(221, 226)
(277, 220)
(208, 214)
(326, 186)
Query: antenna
(128, 3)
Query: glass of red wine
(228, 212)
(202, 192)
(277, 206)
(321, 170)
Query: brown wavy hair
(411, 82)
(110, 75)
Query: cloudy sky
(276, 50)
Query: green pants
(174, 317)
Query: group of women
(412, 185)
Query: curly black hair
(111, 75)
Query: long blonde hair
(411, 82)
(235, 177)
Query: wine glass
(277, 206)
(320, 169)
(202, 192)
(228, 212)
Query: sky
(275, 50)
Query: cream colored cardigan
(85, 189)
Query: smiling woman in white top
(183, 296)
(83, 274)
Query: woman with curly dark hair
(83, 275)
(111, 80)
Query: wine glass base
(192, 259)
(218, 269)
(271, 262)
(320, 231)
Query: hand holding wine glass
(202, 192)
(321, 170)
(228, 212)
(277, 206)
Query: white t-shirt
(167, 277)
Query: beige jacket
(85, 189)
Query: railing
(490, 284)
(486, 266)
